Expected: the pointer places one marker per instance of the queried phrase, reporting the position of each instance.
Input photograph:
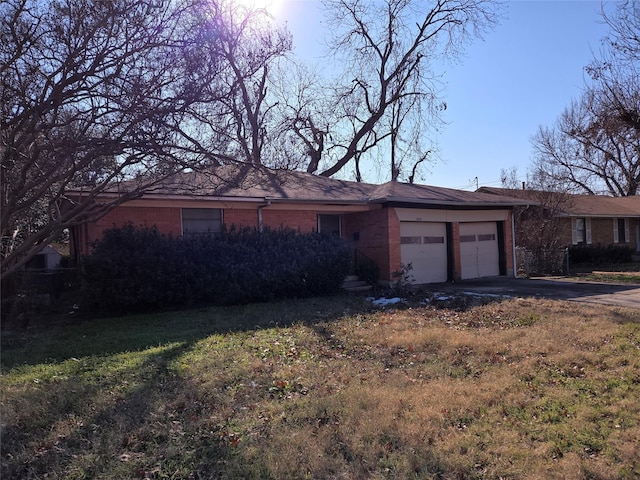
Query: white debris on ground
(382, 302)
(435, 297)
(493, 295)
(441, 297)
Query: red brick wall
(169, 221)
(455, 242)
(240, 217)
(303, 221)
(633, 233)
(508, 245)
(378, 238)
(602, 231)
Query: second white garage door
(479, 254)
(424, 245)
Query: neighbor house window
(329, 224)
(201, 221)
(620, 230)
(581, 231)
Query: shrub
(600, 254)
(141, 269)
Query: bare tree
(594, 147)
(95, 94)
(249, 45)
(538, 227)
(388, 49)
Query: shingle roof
(582, 205)
(285, 185)
(261, 183)
(415, 193)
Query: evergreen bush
(600, 254)
(140, 269)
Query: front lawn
(626, 273)
(328, 388)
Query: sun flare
(271, 6)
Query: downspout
(513, 245)
(260, 207)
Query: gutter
(465, 204)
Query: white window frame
(574, 230)
(616, 230)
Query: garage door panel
(479, 253)
(424, 245)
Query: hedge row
(140, 269)
(600, 254)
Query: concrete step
(353, 284)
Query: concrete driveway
(558, 289)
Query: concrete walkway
(623, 295)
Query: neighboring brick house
(445, 234)
(592, 219)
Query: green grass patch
(613, 277)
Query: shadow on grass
(61, 341)
(131, 425)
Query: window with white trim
(201, 221)
(620, 230)
(581, 230)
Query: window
(329, 224)
(201, 221)
(467, 238)
(487, 237)
(621, 230)
(410, 240)
(581, 230)
(428, 240)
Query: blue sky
(522, 75)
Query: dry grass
(518, 389)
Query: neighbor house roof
(580, 205)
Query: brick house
(445, 234)
(591, 219)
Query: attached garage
(424, 245)
(479, 250)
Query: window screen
(201, 221)
(622, 237)
(329, 224)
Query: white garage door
(479, 253)
(424, 245)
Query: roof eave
(447, 203)
(600, 215)
(233, 198)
